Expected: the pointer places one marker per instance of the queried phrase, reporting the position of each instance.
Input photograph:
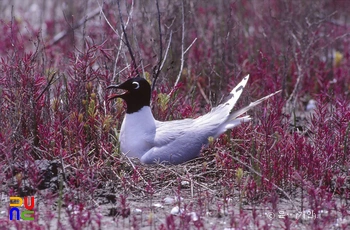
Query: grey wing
(175, 142)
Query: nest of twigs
(129, 175)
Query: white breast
(139, 135)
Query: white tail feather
(236, 92)
(239, 112)
(233, 118)
(236, 122)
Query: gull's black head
(137, 94)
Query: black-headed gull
(172, 142)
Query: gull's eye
(137, 85)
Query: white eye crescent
(137, 85)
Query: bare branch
(183, 52)
(157, 71)
(121, 37)
(108, 22)
(58, 37)
(203, 93)
(167, 50)
(189, 47)
(47, 86)
(182, 43)
(126, 41)
(292, 98)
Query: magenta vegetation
(287, 169)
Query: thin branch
(126, 41)
(182, 43)
(108, 22)
(160, 37)
(141, 65)
(47, 86)
(167, 50)
(292, 98)
(202, 93)
(171, 169)
(127, 66)
(58, 37)
(189, 47)
(133, 166)
(157, 71)
(120, 36)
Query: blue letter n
(11, 210)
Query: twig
(126, 41)
(58, 37)
(292, 97)
(170, 169)
(120, 36)
(183, 52)
(47, 86)
(189, 47)
(182, 43)
(202, 93)
(108, 22)
(157, 71)
(133, 166)
(167, 50)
